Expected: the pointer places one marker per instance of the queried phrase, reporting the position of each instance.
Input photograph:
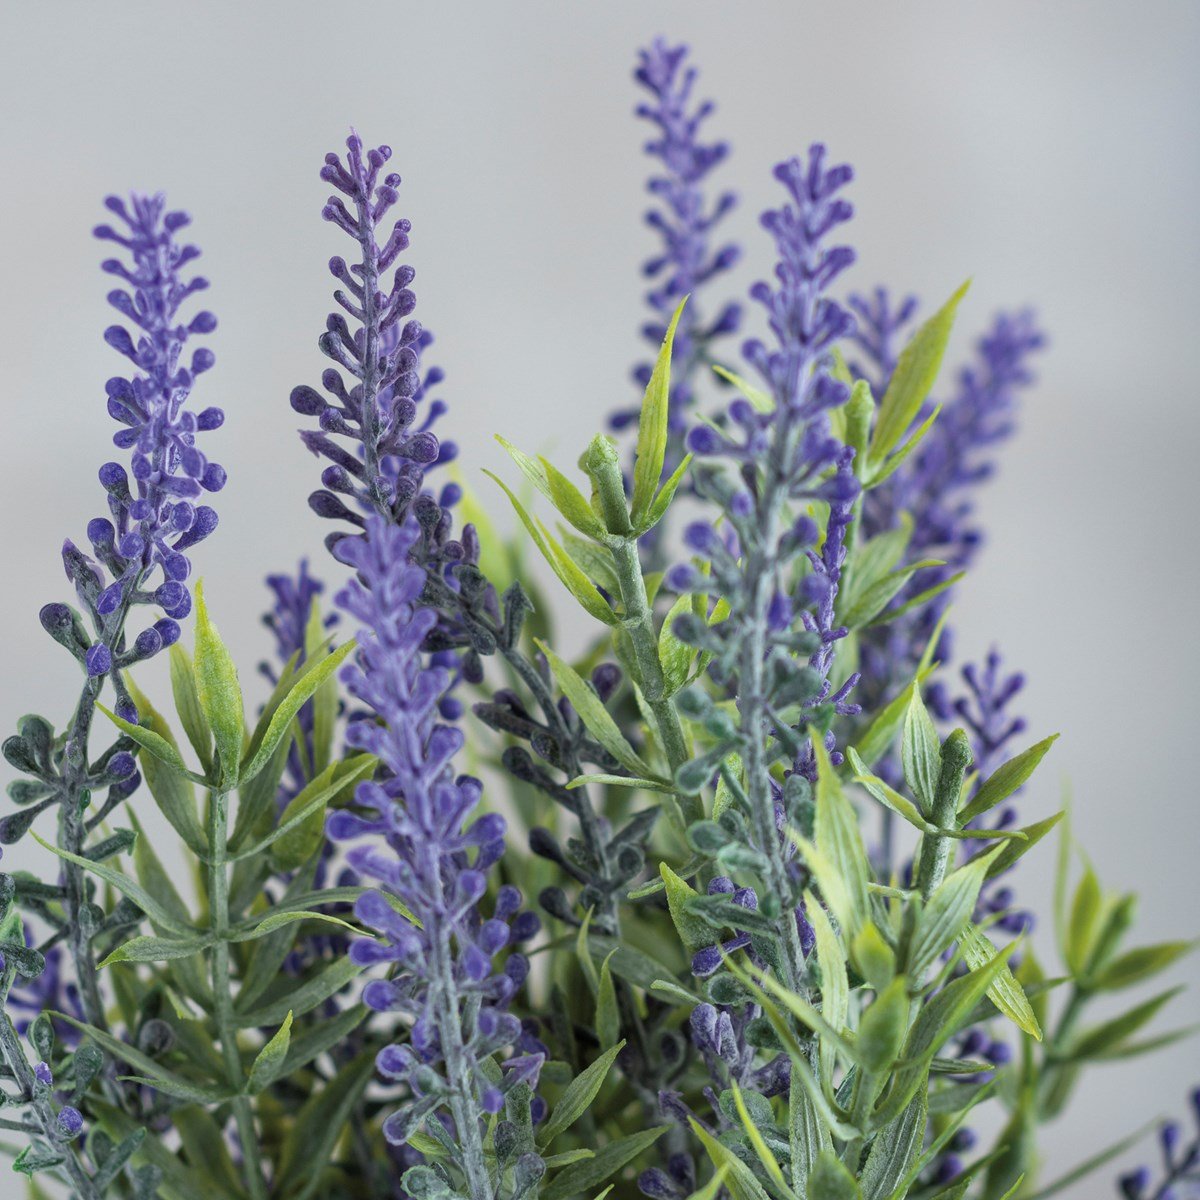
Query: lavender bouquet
(734, 909)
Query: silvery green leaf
(739, 1179)
(1139, 964)
(920, 752)
(609, 1158)
(158, 949)
(914, 376)
(830, 1180)
(187, 706)
(1006, 779)
(1107, 1037)
(1005, 992)
(945, 914)
(652, 427)
(220, 693)
(268, 1063)
(578, 1096)
(895, 1148)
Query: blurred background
(1049, 151)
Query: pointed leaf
(921, 752)
(1005, 992)
(1006, 779)
(578, 1095)
(652, 427)
(610, 1157)
(219, 691)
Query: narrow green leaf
(1138, 964)
(901, 805)
(830, 1180)
(327, 982)
(152, 875)
(127, 887)
(895, 1148)
(835, 986)
(559, 490)
(1006, 779)
(874, 475)
(629, 781)
(882, 1027)
(570, 574)
(768, 1160)
(269, 1061)
(665, 495)
(880, 734)
(1108, 1035)
(249, 931)
(267, 737)
(652, 427)
(1094, 1163)
(1014, 849)
(593, 714)
(807, 1133)
(760, 399)
(170, 789)
(739, 1178)
(578, 1095)
(153, 743)
(219, 692)
(676, 656)
(914, 602)
(921, 752)
(187, 706)
(608, 1159)
(914, 376)
(1005, 992)
(1083, 922)
(693, 932)
(946, 913)
(158, 949)
(608, 1018)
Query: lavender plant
(737, 988)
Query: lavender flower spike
(684, 218)
(432, 855)
(384, 472)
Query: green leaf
(187, 706)
(1102, 1039)
(608, 1158)
(882, 1027)
(946, 913)
(1138, 964)
(835, 986)
(920, 599)
(760, 399)
(830, 1180)
(676, 656)
(914, 376)
(327, 982)
(1005, 780)
(158, 949)
(873, 476)
(1094, 1163)
(629, 781)
(171, 790)
(570, 574)
(207, 1155)
(769, 1161)
(1005, 992)
(1083, 922)
(310, 1140)
(271, 731)
(652, 427)
(1014, 849)
(608, 1018)
(152, 875)
(665, 495)
(559, 490)
(300, 832)
(901, 805)
(837, 859)
(249, 931)
(596, 561)
(219, 692)
(739, 1178)
(153, 743)
(267, 1064)
(894, 1150)
(593, 714)
(127, 887)
(921, 752)
(880, 734)
(807, 1133)
(578, 1095)
(153, 1073)
(693, 932)
(875, 597)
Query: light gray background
(1049, 150)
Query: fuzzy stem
(218, 907)
(935, 849)
(14, 1055)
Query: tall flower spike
(431, 853)
(784, 453)
(153, 515)
(384, 470)
(684, 217)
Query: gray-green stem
(43, 1113)
(935, 848)
(218, 906)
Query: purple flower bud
(98, 660)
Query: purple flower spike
(429, 851)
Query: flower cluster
(435, 864)
(684, 218)
(379, 413)
(153, 515)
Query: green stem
(218, 907)
(935, 849)
(639, 624)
